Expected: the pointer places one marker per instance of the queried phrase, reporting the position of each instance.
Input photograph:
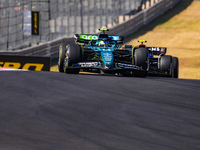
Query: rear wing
(85, 38)
(157, 50)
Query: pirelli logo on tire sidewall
(25, 62)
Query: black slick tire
(141, 60)
(165, 63)
(73, 55)
(175, 67)
(61, 57)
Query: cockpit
(103, 43)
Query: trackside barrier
(25, 62)
(126, 28)
(48, 49)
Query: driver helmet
(101, 43)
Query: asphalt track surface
(56, 111)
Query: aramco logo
(88, 37)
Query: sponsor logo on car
(88, 37)
(107, 57)
(89, 64)
(156, 49)
(115, 37)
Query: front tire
(141, 59)
(61, 57)
(73, 56)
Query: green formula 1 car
(103, 52)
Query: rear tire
(175, 67)
(166, 63)
(73, 56)
(141, 59)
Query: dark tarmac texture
(58, 111)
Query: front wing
(101, 66)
